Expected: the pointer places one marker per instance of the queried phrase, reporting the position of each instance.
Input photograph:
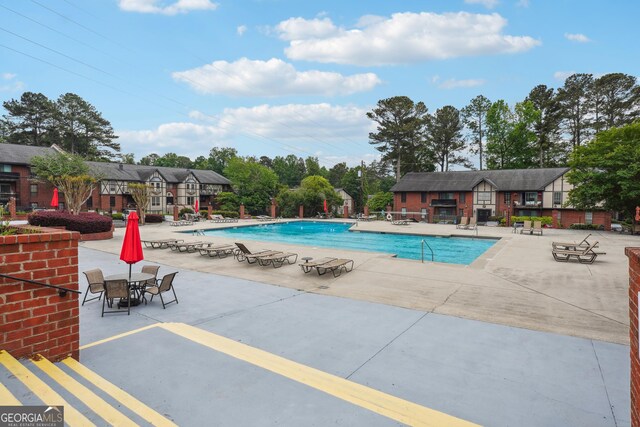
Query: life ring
(389, 217)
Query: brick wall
(634, 288)
(35, 319)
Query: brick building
(171, 186)
(447, 196)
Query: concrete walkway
(362, 327)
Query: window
(557, 197)
(484, 196)
(463, 197)
(5, 188)
(34, 189)
(155, 201)
(112, 187)
(112, 201)
(507, 198)
(423, 213)
(5, 168)
(191, 200)
(423, 197)
(90, 203)
(403, 197)
(588, 217)
(448, 196)
(403, 212)
(531, 198)
(169, 198)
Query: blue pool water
(454, 250)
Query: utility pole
(362, 186)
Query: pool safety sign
(32, 416)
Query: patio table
(136, 284)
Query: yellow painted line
(82, 393)
(7, 398)
(118, 394)
(381, 403)
(115, 337)
(48, 396)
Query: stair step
(48, 396)
(7, 398)
(86, 396)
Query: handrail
(198, 232)
(61, 291)
(424, 242)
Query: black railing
(443, 203)
(61, 291)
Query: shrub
(226, 214)
(499, 219)
(546, 220)
(579, 226)
(117, 216)
(153, 218)
(184, 211)
(84, 223)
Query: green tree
(254, 184)
(336, 173)
(128, 158)
(380, 201)
(574, 97)
(290, 169)
(30, 120)
(547, 125)
(400, 134)
(141, 194)
(228, 201)
(219, 158)
(474, 116)
(616, 100)
(313, 191)
(510, 135)
(69, 173)
(444, 130)
(172, 160)
(606, 172)
(312, 167)
(149, 160)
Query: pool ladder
(424, 242)
(198, 232)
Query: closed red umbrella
(325, 205)
(197, 207)
(131, 245)
(54, 199)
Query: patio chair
(242, 253)
(572, 245)
(464, 222)
(116, 289)
(151, 269)
(188, 246)
(309, 265)
(400, 222)
(95, 278)
(278, 260)
(526, 227)
(473, 224)
(537, 228)
(161, 286)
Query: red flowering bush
(85, 223)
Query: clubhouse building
(487, 194)
(170, 186)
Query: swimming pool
(453, 250)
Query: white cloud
(241, 29)
(400, 39)
(580, 38)
(489, 4)
(562, 75)
(523, 3)
(155, 6)
(8, 83)
(267, 128)
(274, 77)
(454, 83)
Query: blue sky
(278, 77)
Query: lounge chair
(336, 266)
(159, 244)
(242, 253)
(188, 246)
(572, 245)
(265, 218)
(180, 223)
(400, 222)
(220, 218)
(309, 265)
(473, 224)
(277, 260)
(537, 228)
(585, 255)
(526, 227)
(464, 222)
(220, 251)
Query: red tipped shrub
(153, 218)
(85, 223)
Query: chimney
(120, 166)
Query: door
(483, 215)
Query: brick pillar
(209, 212)
(554, 219)
(634, 288)
(12, 207)
(345, 214)
(241, 211)
(175, 212)
(36, 319)
(273, 208)
(301, 212)
(366, 210)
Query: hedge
(153, 218)
(226, 214)
(579, 226)
(546, 220)
(117, 216)
(85, 223)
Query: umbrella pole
(129, 272)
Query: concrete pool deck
(515, 283)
